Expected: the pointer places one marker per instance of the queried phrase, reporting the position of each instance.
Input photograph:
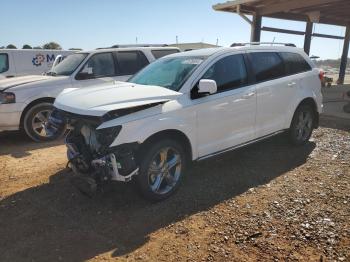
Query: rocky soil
(266, 202)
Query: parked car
(20, 62)
(187, 106)
(26, 102)
(326, 80)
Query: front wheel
(35, 123)
(161, 169)
(302, 125)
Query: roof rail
(139, 45)
(134, 46)
(262, 43)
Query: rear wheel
(35, 122)
(302, 125)
(161, 169)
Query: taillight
(321, 75)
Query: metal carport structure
(333, 12)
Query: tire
(302, 125)
(152, 170)
(38, 116)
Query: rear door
(298, 77)
(129, 63)
(274, 91)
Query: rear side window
(266, 66)
(229, 73)
(130, 62)
(294, 63)
(160, 53)
(4, 63)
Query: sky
(89, 24)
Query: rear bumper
(10, 116)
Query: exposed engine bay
(89, 153)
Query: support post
(256, 28)
(308, 35)
(344, 57)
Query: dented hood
(21, 80)
(98, 100)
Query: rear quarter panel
(309, 86)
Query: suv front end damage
(89, 153)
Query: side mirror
(207, 86)
(84, 74)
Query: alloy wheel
(164, 170)
(304, 125)
(39, 123)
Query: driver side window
(229, 73)
(99, 65)
(4, 63)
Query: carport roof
(335, 12)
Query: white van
(15, 62)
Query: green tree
(52, 45)
(11, 46)
(26, 47)
(37, 47)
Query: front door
(108, 67)
(227, 118)
(99, 69)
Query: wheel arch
(174, 134)
(33, 103)
(310, 101)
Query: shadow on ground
(335, 122)
(18, 145)
(54, 222)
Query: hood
(26, 81)
(98, 100)
(20, 80)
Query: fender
(140, 130)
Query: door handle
(291, 84)
(249, 95)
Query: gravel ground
(266, 202)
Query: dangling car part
(88, 149)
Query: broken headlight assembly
(126, 111)
(7, 98)
(106, 136)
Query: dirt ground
(266, 202)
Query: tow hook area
(101, 171)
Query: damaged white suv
(187, 106)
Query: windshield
(170, 73)
(68, 65)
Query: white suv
(187, 106)
(26, 102)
